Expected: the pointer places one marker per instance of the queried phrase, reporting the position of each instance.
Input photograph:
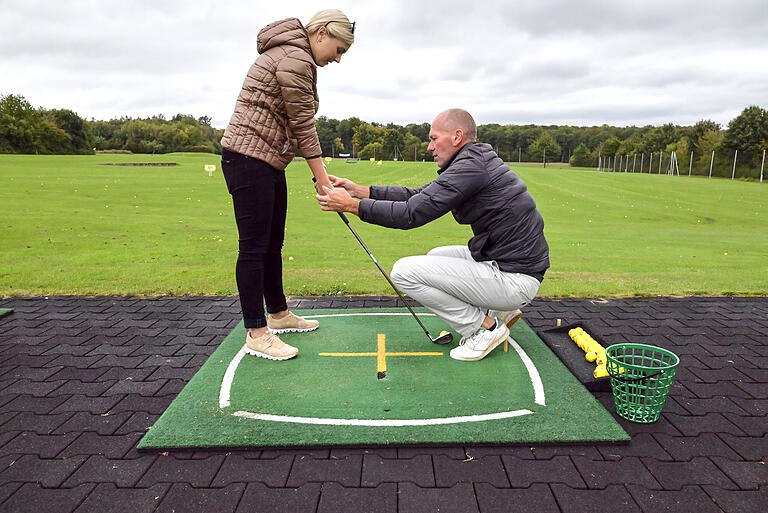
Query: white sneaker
(509, 318)
(480, 344)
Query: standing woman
(274, 115)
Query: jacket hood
(289, 31)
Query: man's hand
(337, 200)
(343, 183)
(355, 190)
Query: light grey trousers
(458, 289)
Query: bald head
(450, 131)
(458, 119)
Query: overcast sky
(511, 62)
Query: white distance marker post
(762, 166)
(711, 161)
(733, 173)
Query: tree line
(25, 129)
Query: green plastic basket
(641, 376)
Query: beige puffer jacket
(275, 111)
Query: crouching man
(477, 289)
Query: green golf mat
(5, 311)
(371, 377)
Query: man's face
(442, 142)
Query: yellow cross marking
(381, 354)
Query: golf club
(446, 338)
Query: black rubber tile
(30, 469)
(456, 453)
(30, 373)
(614, 499)
(417, 470)
(82, 374)
(43, 446)
(695, 406)
(488, 469)
(748, 475)
(33, 388)
(684, 448)
(77, 387)
(547, 452)
(33, 498)
(690, 498)
(95, 405)
(601, 474)
(749, 448)
(560, 469)
(40, 424)
(172, 373)
(345, 471)
(538, 498)
(720, 389)
(457, 499)
(752, 426)
(8, 489)
(238, 469)
(300, 451)
(642, 444)
(698, 471)
(732, 501)
(694, 425)
(112, 446)
(382, 452)
(335, 498)
(185, 498)
(107, 498)
(115, 374)
(138, 422)
(135, 402)
(259, 497)
(526, 453)
(103, 424)
(168, 469)
(755, 390)
(120, 472)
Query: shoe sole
(292, 330)
(253, 352)
(514, 319)
(485, 353)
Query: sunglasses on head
(352, 28)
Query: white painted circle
(533, 373)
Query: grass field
(71, 225)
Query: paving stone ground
(81, 379)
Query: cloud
(588, 62)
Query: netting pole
(733, 173)
(690, 165)
(711, 161)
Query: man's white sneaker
(509, 318)
(480, 344)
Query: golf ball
(443, 333)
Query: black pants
(260, 198)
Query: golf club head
(446, 338)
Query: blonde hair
(335, 22)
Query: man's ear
(458, 136)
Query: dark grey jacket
(479, 190)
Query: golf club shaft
(383, 272)
(399, 294)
